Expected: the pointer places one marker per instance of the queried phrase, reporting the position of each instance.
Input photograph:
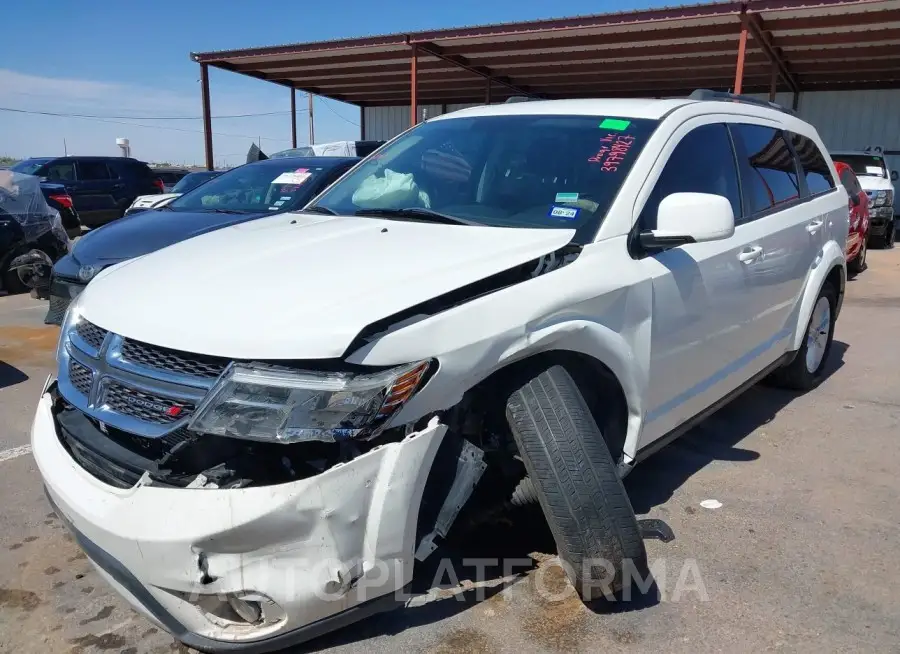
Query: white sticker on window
(874, 170)
(291, 178)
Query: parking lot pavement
(798, 557)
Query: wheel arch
(831, 268)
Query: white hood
(270, 289)
(872, 183)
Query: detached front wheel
(577, 483)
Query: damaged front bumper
(254, 569)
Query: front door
(703, 305)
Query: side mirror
(894, 176)
(684, 218)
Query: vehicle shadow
(10, 375)
(715, 439)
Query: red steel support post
(207, 120)
(414, 86)
(742, 51)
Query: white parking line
(14, 453)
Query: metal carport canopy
(750, 46)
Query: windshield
(507, 171)
(305, 151)
(192, 181)
(863, 164)
(280, 185)
(29, 166)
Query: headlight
(70, 320)
(279, 405)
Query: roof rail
(519, 98)
(706, 94)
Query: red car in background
(859, 219)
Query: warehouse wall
(846, 120)
(383, 123)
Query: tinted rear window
(768, 168)
(814, 165)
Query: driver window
(702, 162)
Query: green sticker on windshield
(615, 123)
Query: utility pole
(312, 130)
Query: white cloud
(23, 135)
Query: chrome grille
(135, 387)
(91, 334)
(81, 377)
(146, 407)
(173, 361)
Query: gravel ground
(798, 557)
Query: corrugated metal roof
(827, 44)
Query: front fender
(578, 308)
(831, 256)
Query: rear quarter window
(813, 164)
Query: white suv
(524, 300)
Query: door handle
(814, 226)
(751, 254)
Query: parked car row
(100, 188)
(512, 303)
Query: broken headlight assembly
(280, 405)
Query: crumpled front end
(248, 569)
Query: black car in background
(254, 190)
(101, 188)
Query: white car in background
(513, 302)
(872, 172)
(185, 184)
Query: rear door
(96, 191)
(784, 198)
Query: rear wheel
(576, 482)
(858, 264)
(806, 371)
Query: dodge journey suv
(505, 304)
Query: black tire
(9, 279)
(890, 235)
(858, 264)
(577, 483)
(796, 375)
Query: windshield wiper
(416, 213)
(319, 209)
(220, 210)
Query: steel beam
(207, 116)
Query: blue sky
(107, 58)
